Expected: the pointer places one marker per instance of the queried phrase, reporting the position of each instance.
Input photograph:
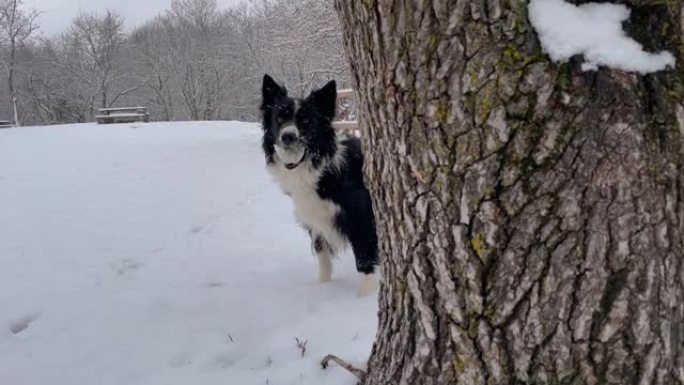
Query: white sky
(56, 15)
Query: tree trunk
(10, 83)
(103, 93)
(531, 215)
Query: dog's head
(298, 130)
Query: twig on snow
(301, 345)
(360, 374)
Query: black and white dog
(322, 174)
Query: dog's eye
(280, 120)
(305, 121)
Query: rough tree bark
(531, 215)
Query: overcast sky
(56, 15)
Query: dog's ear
(325, 99)
(270, 90)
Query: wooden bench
(6, 124)
(122, 115)
(346, 113)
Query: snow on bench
(6, 124)
(122, 115)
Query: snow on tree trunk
(531, 215)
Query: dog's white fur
(324, 265)
(310, 210)
(315, 213)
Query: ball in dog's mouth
(292, 155)
(290, 147)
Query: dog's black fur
(330, 167)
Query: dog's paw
(367, 284)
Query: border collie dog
(322, 174)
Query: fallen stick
(360, 374)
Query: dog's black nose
(287, 138)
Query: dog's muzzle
(290, 147)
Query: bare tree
(101, 39)
(199, 65)
(16, 27)
(195, 61)
(531, 214)
(151, 49)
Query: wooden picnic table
(122, 115)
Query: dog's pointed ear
(270, 90)
(325, 99)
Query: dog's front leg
(324, 254)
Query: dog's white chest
(312, 211)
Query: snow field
(162, 253)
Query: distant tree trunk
(10, 82)
(103, 94)
(16, 27)
(531, 215)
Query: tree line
(192, 62)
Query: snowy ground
(161, 254)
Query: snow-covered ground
(162, 253)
